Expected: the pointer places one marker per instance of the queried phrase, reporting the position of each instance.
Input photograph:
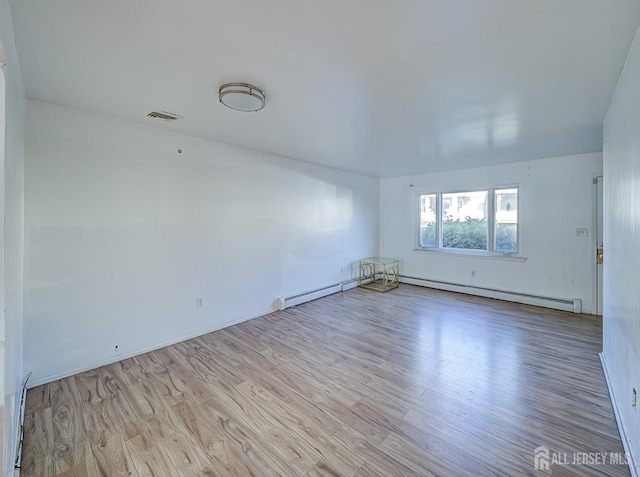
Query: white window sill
(474, 253)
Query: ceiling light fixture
(241, 97)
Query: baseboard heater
(303, 297)
(574, 304)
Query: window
(506, 220)
(465, 226)
(473, 221)
(428, 220)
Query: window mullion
(439, 220)
(491, 212)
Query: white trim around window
(483, 222)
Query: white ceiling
(380, 87)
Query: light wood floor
(411, 382)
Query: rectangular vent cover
(163, 115)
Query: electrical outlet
(199, 303)
(116, 349)
(473, 273)
(634, 398)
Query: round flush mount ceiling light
(241, 97)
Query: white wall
(2, 240)
(621, 318)
(13, 246)
(555, 199)
(123, 233)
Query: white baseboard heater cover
(303, 297)
(571, 304)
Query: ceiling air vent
(163, 115)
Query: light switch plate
(582, 232)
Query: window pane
(506, 220)
(427, 204)
(464, 220)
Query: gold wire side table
(379, 274)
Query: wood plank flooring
(410, 382)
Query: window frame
(491, 222)
(438, 203)
(493, 191)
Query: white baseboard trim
(120, 357)
(19, 406)
(572, 304)
(634, 463)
